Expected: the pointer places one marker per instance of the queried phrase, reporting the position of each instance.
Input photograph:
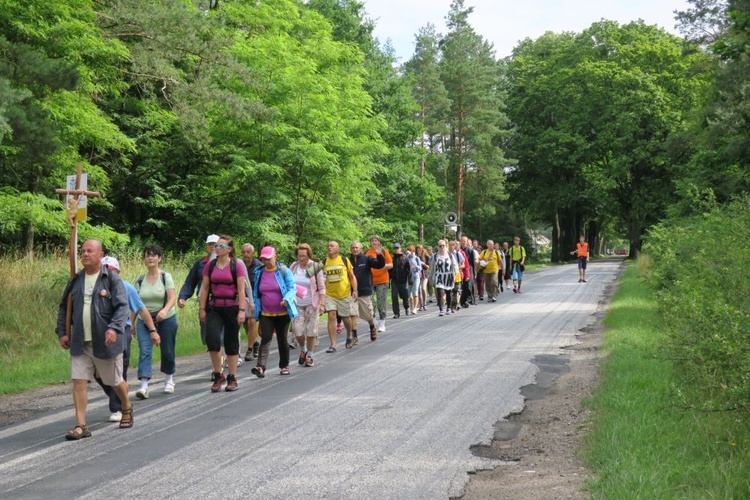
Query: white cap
(110, 261)
(212, 238)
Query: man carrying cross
(99, 311)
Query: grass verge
(645, 443)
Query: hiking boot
(249, 354)
(218, 379)
(231, 383)
(381, 325)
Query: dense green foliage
(644, 442)
(700, 267)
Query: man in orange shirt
(582, 250)
(380, 279)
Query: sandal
(72, 435)
(127, 418)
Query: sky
(506, 22)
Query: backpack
(232, 269)
(139, 282)
(314, 269)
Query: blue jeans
(168, 333)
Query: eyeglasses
(221, 246)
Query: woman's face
(302, 255)
(269, 262)
(222, 248)
(152, 259)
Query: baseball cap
(397, 245)
(212, 238)
(267, 252)
(110, 262)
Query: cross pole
(74, 197)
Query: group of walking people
(99, 310)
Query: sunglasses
(221, 246)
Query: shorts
(582, 262)
(414, 287)
(343, 307)
(366, 311)
(87, 367)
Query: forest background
(284, 121)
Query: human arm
(353, 283)
(191, 282)
(320, 283)
(171, 298)
(203, 299)
(289, 285)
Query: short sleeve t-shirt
(223, 287)
(153, 295)
(88, 292)
(380, 276)
(336, 272)
(493, 260)
(517, 253)
(135, 303)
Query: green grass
(30, 355)
(644, 442)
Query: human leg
(266, 335)
(394, 301)
(145, 347)
(281, 324)
(168, 334)
(331, 325)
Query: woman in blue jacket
(273, 295)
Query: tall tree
(472, 78)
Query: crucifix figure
(74, 198)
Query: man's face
(91, 254)
(210, 247)
(333, 248)
(490, 244)
(497, 246)
(505, 246)
(397, 250)
(247, 254)
(476, 243)
(464, 241)
(356, 249)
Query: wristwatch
(152, 330)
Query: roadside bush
(700, 268)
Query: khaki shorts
(86, 366)
(365, 308)
(343, 307)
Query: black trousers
(399, 290)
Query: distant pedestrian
(508, 274)
(380, 280)
(251, 324)
(194, 279)
(518, 262)
(443, 273)
(415, 279)
(399, 281)
(582, 251)
(424, 256)
(363, 265)
(99, 311)
(491, 262)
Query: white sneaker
(239, 361)
(142, 393)
(168, 387)
(381, 325)
(115, 417)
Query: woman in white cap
(273, 293)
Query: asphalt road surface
(393, 418)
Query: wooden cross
(74, 197)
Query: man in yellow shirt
(341, 294)
(491, 262)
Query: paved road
(388, 419)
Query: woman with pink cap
(273, 293)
